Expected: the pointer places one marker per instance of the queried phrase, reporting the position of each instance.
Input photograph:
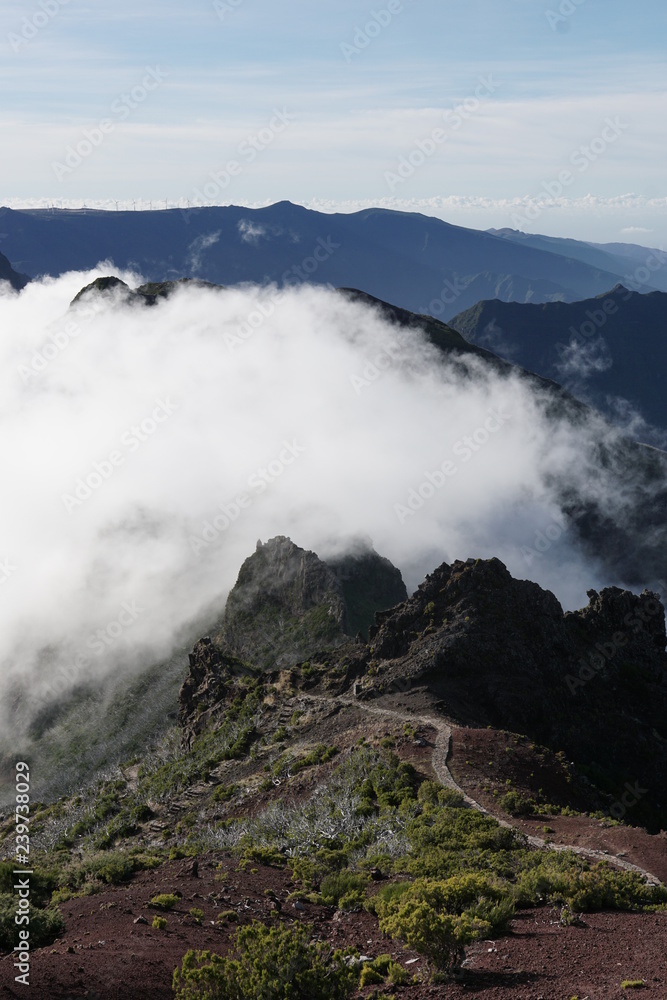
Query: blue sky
(361, 88)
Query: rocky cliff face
(497, 651)
(286, 606)
(486, 649)
(287, 603)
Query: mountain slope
(610, 346)
(7, 273)
(641, 266)
(421, 263)
(490, 650)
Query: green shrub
(196, 914)
(438, 918)
(141, 813)
(387, 970)
(562, 878)
(165, 900)
(224, 793)
(369, 977)
(112, 869)
(517, 805)
(344, 889)
(268, 856)
(45, 925)
(159, 923)
(269, 963)
(42, 882)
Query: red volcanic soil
(104, 955)
(482, 761)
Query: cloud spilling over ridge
(147, 449)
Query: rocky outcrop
(497, 651)
(148, 294)
(287, 605)
(484, 648)
(212, 677)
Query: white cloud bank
(147, 449)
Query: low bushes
(269, 963)
(45, 924)
(438, 918)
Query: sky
(501, 105)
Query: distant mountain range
(602, 349)
(418, 262)
(640, 266)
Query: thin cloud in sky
(362, 97)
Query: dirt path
(441, 753)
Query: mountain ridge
(606, 346)
(422, 263)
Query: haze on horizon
(323, 105)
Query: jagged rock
(148, 294)
(498, 651)
(288, 603)
(472, 627)
(100, 286)
(286, 606)
(205, 686)
(473, 641)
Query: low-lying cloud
(147, 449)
